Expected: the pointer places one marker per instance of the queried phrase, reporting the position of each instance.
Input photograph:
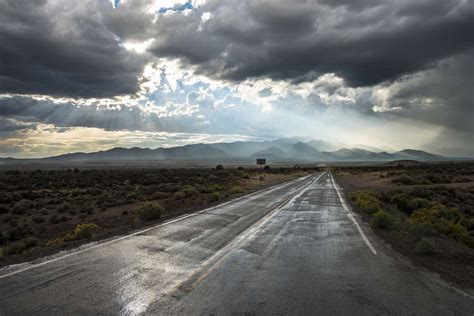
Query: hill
(280, 150)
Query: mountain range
(287, 150)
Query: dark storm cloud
(24, 109)
(73, 48)
(366, 42)
(441, 96)
(66, 48)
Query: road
(294, 249)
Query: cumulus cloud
(66, 48)
(364, 42)
(326, 68)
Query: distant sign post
(261, 162)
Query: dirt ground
(454, 188)
(39, 208)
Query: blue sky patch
(179, 7)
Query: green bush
(401, 201)
(421, 229)
(381, 219)
(425, 246)
(159, 195)
(85, 230)
(32, 242)
(215, 196)
(15, 248)
(235, 190)
(190, 191)
(219, 167)
(148, 211)
(366, 201)
(417, 203)
(445, 221)
(179, 195)
(405, 180)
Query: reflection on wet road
(292, 249)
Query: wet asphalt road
(294, 249)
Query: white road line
(101, 244)
(249, 233)
(351, 217)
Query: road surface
(294, 249)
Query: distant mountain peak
(284, 150)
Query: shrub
(366, 201)
(417, 203)
(32, 242)
(235, 190)
(219, 167)
(425, 246)
(55, 242)
(444, 220)
(401, 200)
(22, 206)
(240, 168)
(215, 196)
(381, 219)
(15, 248)
(85, 230)
(159, 195)
(179, 195)
(267, 167)
(421, 230)
(261, 178)
(190, 191)
(148, 211)
(405, 180)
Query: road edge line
(116, 239)
(351, 217)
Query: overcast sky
(95, 74)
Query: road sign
(261, 161)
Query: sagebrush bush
(366, 201)
(235, 190)
(148, 211)
(32, 242)
(15, 248)
(179, 195)
(422, 229)
(190, 191)
(87, 230)
(445, 221)
(215, 196)
(425, 246)
(382, 219)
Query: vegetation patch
(366, 201)
(148, 211)
(43, 208)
